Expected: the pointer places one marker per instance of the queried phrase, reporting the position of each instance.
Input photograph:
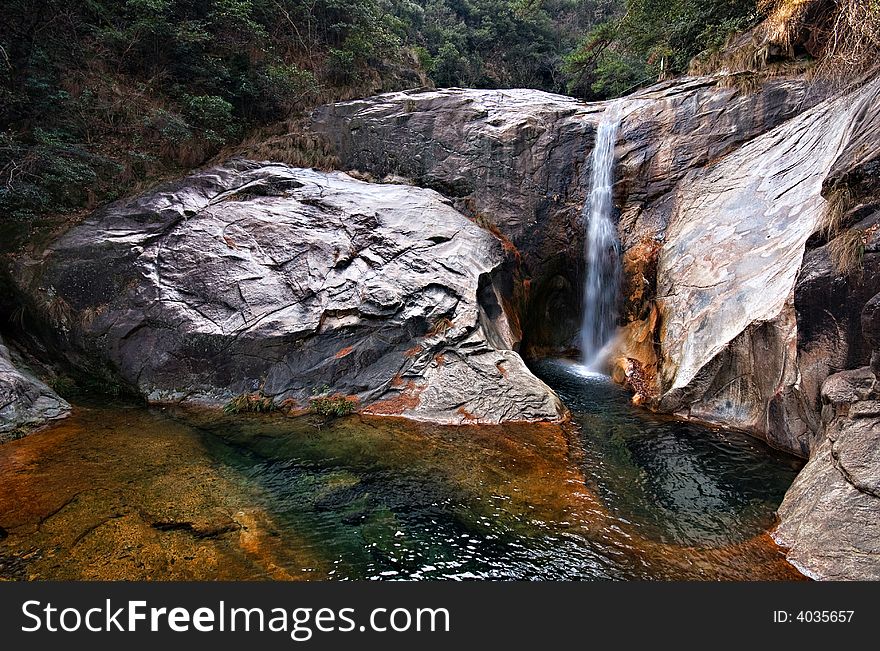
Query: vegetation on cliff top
(99, 98)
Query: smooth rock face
(727, 271)
(679, 127)
(25, 401)
(828, 519)
(261, 277)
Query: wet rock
(261, 277)
(25, 401)
(871, 330)
(828, 519)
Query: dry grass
(251, 403)
(847, 251)
(843, 35)
(440, 326)
(287, 142)
(833, 41)
(838, 203)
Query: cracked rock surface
(261, 277)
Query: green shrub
(251, 403)
(332, 406)
(213, 115)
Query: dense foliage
(491, 43)
(651, 39)
(99, 97)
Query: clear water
(601, 246)
(148, 493)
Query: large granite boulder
(26, 402)
(829, 520)
(679, 127)
(261, 277)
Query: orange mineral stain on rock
(342, 353)
(412, 352)
(406, 400)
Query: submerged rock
(25, 401)
(260, 277)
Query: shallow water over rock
(131, 492)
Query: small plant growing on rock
(839, 201)
(251, 403)
(332, 406)
(847, 250)
(440, 327)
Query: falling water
(601, 246)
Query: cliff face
(727, 272)
(515, 161)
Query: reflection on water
(672, 480)
(617, 494)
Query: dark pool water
(623, 494)
(618, 494)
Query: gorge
(447, 248)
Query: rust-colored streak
(342, 353)
(412, 352)
(406, 400)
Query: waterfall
(602, 249)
